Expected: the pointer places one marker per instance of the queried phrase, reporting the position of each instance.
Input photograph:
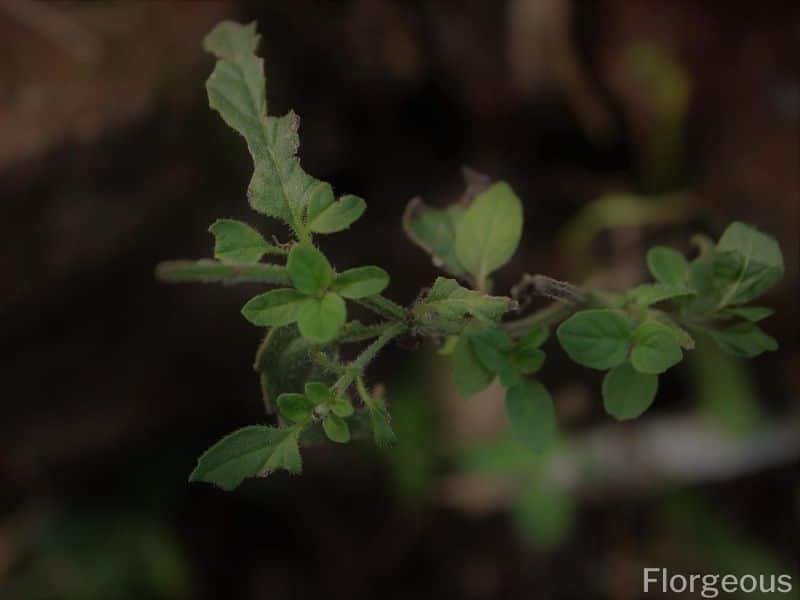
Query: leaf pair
(470, 242)
(279, 187)
(320, 402)
(316, 302)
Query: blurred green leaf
(744, 339)
(627, 393)
(668, 266)
(434, 230)
(543, 515)
(531, 414)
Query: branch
(212, 271)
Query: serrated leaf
(627, 393)
(237, 242)
(469, 374)
(309, 270)
(596, 338)
(236, 89)
(744, 339)
(320, 320)
(274, 308)
(434, 230)
(336, 429)
(336, 216)
(489, 232)
(655, 348)
(451, 301)
(294, 406)
(648, 294)
(747, 263)
(668, 266)
(250, 451)
(748, 313)
(531, 414)
(492, 347)
(361, 282)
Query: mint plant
(313, 394)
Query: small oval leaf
(275, 308)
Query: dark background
(113, 384)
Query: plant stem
(357, 366)
(355, 331)
(384, 307)
(212, 271)
(326, 362)
(549, 315)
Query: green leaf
(451, 301)
(655, 348)
(361, 282)
(236, 89)
(336, 429)
(648, 294)
(597, 338)
(330, 217)
(434, 230)
(745, 339)
(321, 320)
(341, 407)
(531, 414)
(492, 347)
(527, 360)
(317, 393)
(748, 313)
(701, 277)
(284, 363)
(627, 393)
(747, 263)
(488, 234)
(469, 374)
(668, 266)
(295, 406)
(275, 308)
(309, 270)
(535, 337)
(250, 451)
(382, 432)
(237, 242)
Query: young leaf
(317, 393)
(452, 301)
(469, 374)
(655, 348)
(748, 313)
(746, 264)
(336, 429)
(597, 338)
(488, 234)
(668, 266)
(341, 407)
(493, 347)
(309, 270)
(382, 432)
(237, 242)
(335, 216)
(236, 89)
(648, 294)
(295, 406)
(320, 320)
(745, 339)
(361, 282)
(275, 308)
(434, 230)
(627, 393)
(250, 451)
(531, 414)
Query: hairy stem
(357, 366)
(384, 307)
(212, 271)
